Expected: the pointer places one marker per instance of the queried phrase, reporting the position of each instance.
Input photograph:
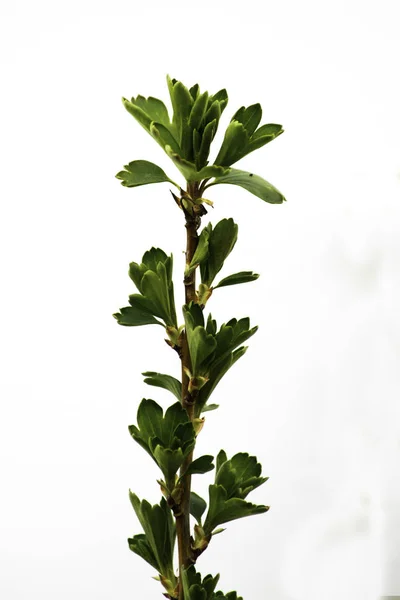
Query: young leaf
(249, 117)
(182, 103)
(207, 137)
(252, 183)
(142, 172)
(140, 546)
(201, 252)
(131, 316)
(221, 459)
(209, 407)
(155, 287)
(198, 111)
(242, 277)
(201, 465)
(159, 528)
(194, 91)
(164, 381)
(154, 108)
(240, 475)
(201, 344)
(236, 138)
(217, 371)
(196, 589)
(189, 170)
(221, 241)
(222, 510)
(168, 460)
(262, 136)
(164, 137)
(150, 419)
(197, 506)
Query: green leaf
(167, 382)
(222, 97)
(207, 137)
(140, 546)
(222, 510)
(221, 241)
(154, 108)
(236, 138)
(188, 169)
(168, 439)
(140, 115)
(176, 416)
(221, 458)
(194, 91)
(142, 172)
(196, 589)
(228, 596)
(201, 251)
(208, 407)
(252, 183)
(198, 111)
(155, 286)
(132, 316)
(145, 305)
(201, 344)
(197, 506)
(153, 278)
(262, 136)
(228, 338)
(159, 528)
(150, 419)
(163, 137)
(213, 113)
(242, 277)
(249, 117)
(153, 116)
(169, 461)
(201, 465)
(240, 475)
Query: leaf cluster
(234, 480)
(187, 139)
(213, 351)
(153, 279)
(168, 438)
(156, 544)
(197, 589)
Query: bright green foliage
(213, 351)
(168, 438)
(164, 381)
(197, 506)
(252, 183)
(221, 241)
(229, 339)
(142, 172)
(198, 589)
(200, 465)
(187, 139)
(242, 277)
(240, 475)
(234, 480)
(153, 279)
(156, 545)
(206, 351)
(241, 136)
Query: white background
(315, 397)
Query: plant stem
(183, 518)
